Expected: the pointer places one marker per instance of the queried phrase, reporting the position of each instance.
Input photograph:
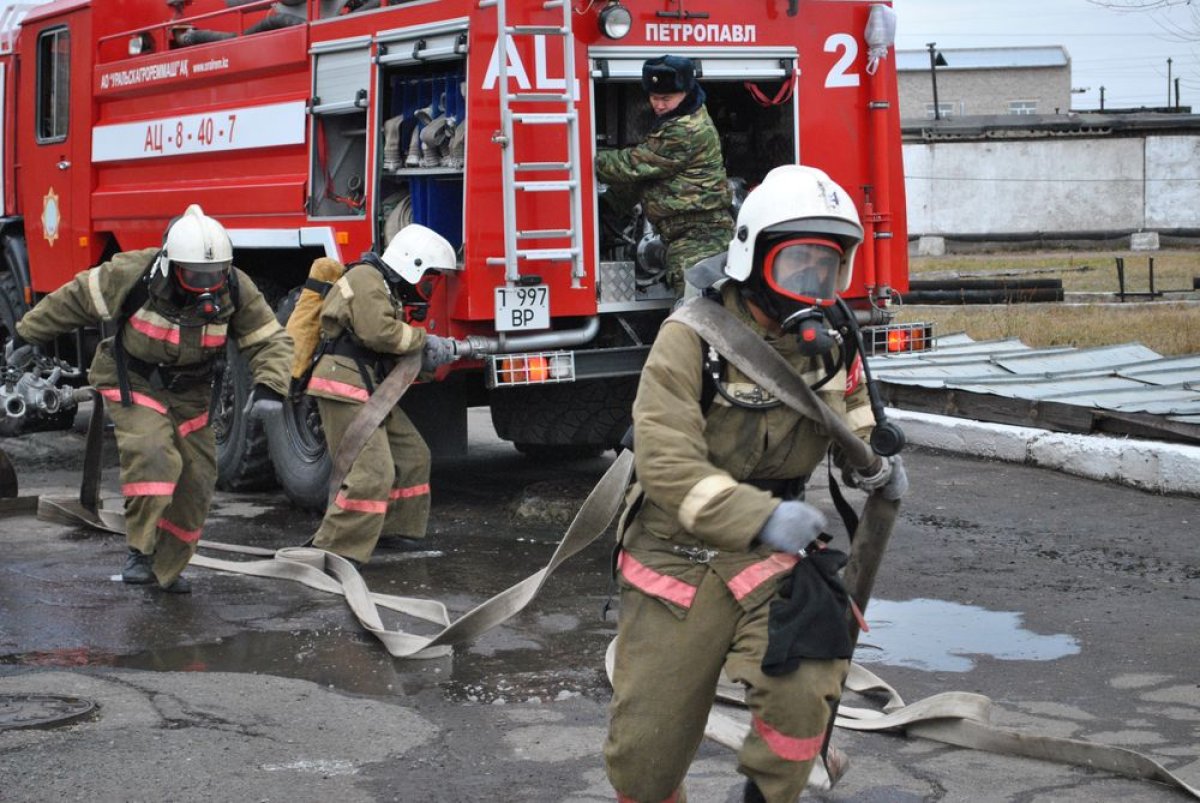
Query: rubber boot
(139, 568)
(751, 793)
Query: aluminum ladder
(516, 176)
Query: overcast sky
(1125, 52)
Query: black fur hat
(666, 74)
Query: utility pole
(1102, 98)
(1177, 92)
(934, 58)
(1168, 80)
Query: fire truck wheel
(554, 452)
(243, 461)
(11, 307)
(297, 443)
(572, 420)
(302, 461)
(11, 310)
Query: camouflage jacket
(679, 168)
(152, 333)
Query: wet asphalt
(1070, 603)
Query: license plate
(520, 309)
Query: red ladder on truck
(515, 176)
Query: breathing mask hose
(887, 439)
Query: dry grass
(1080, 271)
(1168, 327)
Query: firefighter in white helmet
(173, 309)
(363, 330)
(719, 527)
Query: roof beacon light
(615, 20)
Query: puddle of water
(939, 636)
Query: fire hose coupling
(33, 394)
(473, 346)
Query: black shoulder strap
(709, 375)
(235, 289)
(133, 301)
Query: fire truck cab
(317, 128)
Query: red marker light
(897, 340)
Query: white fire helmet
(801, 201)
(416, 249)
(198, 250)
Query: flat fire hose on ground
(328, 572)
(956, 718)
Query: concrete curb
(1167, 468)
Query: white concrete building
(985, 81)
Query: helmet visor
(804, 269)
(201, 277)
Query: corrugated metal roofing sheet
(986, 58)
(1128, 378)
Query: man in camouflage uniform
(174, 309)
(717, 522)
(678, 173)
(386, 489)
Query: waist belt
(783, 489)
(163, 377)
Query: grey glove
(263, 402)
(438, 351)
(18, 353)
(891, 480)
(792, 527)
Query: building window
(53, 75)
(945, 111)
(1022, 107)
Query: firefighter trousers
(386, 491)
(664, 681)
(168, 472)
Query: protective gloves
(19, 353)
(438, 351)
(792, 527)
(891, 480)
(263, 402)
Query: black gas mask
(202, 285)
(797, 285)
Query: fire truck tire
(11, 310)
(302, 461)
(243, 460)
(297, 444)
(573, 420)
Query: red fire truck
(319, 127)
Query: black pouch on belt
(808, 619)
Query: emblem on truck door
(50, 216)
